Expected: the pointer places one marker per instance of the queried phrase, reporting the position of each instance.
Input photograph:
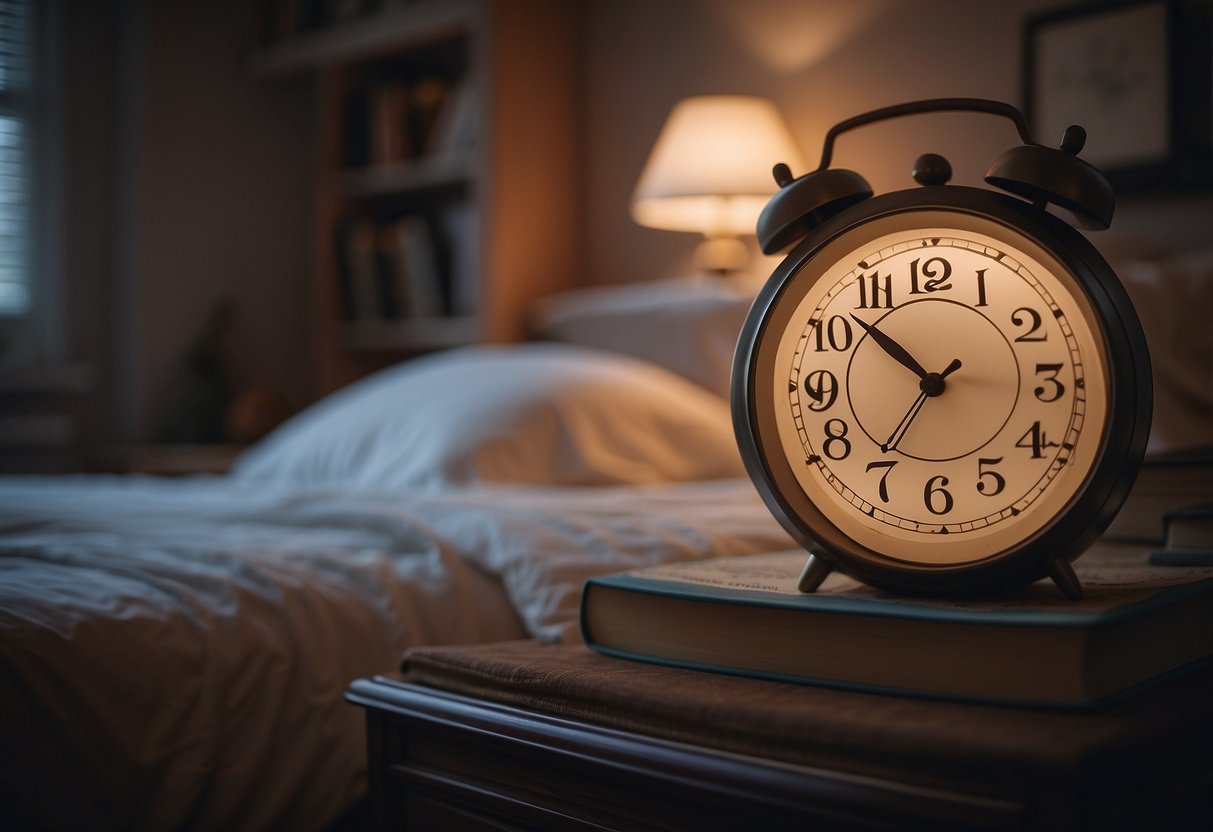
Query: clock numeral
(936, 276)
(837, 333)
(933, 489)
(887, 465)
(836, 432)
(1036, 440)
(822, 387)
(981, 288)
(1033, 321)
(871, 289)
(1058, 389)
(995, 482)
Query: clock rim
(1098, 498)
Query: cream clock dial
(942, 389)
(945, 388)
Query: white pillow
(687, 325)
(533, 413)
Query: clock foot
(1063, 575)
(816, 568)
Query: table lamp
(710, 173)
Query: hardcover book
(1136, 622)
(1166, 483)
(1189, 539)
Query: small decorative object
(946, 388)
(206, 381)
(702, 174)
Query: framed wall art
(1137, 75)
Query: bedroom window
(16, 40)
(27, 151)
(14, 215)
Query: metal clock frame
(1051, 549)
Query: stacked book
(1138, 622)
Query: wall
(94, 40)
(223, 205)
(821, 61)
(186, 182)
(191, 180)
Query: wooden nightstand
(527, 737)
(444, 761)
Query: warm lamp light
(710, 172)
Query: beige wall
(216, 193)
(223, 204)
(821, 61)
(187, 181)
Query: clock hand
(904, 425)
(896, 350)
(930, 386)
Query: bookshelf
(446, 177)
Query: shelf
(411, 334)
(431, 173)
(47, 379)
(392, 29)
(502, 235)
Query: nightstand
(520, 736)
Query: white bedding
(173, 653)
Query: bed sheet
(173, 654)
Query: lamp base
(722, 255)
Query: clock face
(937, 386)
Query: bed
(173, 653)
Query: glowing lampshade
(710, 171)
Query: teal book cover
(1137, 622)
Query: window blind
(16, 103)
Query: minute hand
(893, 348)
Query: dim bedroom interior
(286, 391)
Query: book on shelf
(462, 236)
(358, 270)
(393, 120)
(429, 96)
(390, 136)
(411, 266)
(390, 270)
(356, 118)
(743, 615)
(457, 121)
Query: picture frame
(1137, 75)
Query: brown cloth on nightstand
(1153, 749)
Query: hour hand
(896, 350)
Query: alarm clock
(943, 389)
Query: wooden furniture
(487, 157)
(42, 409)
(518, 736)
(164, 460)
